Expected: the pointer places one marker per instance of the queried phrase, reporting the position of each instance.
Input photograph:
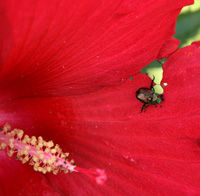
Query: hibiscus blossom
(60, 62)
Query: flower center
(44, 156)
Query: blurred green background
(188, 24)
(187, 31)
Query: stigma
(42, 155)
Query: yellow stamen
(44, 156)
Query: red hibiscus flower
(61, 66)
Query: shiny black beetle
(148, 96)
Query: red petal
(19, 179)
(5, 35)
(182, 76)
(73, 47)
(153, 153)
(169, 46)
(197, 43)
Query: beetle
(148, 96)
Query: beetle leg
(162, 97)
(143, 107)
(159, 62)
(151, 87)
